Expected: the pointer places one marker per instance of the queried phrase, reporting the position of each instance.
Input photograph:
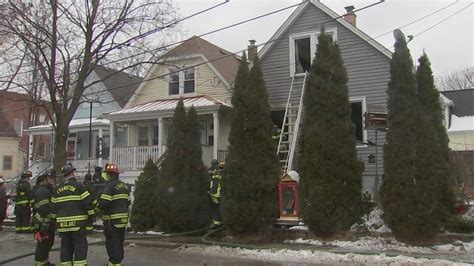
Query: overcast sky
(449, 45)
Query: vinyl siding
(367, 69)
(207, 83)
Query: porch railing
(135, 157)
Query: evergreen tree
(329, 169)
(143, 205)
(182, 202)
(433, 153)
(405, 192)
(249, 199)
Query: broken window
(302, 54)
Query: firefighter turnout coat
(43, 207)
(114, 202)
(73, 205)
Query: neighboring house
(16, 114)
(196, 71)
(110, 90)
(290, 51)
(459, 111)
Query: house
(88, 140)
(459, 111)
(288, 55)
(16, 114)
(196, 71)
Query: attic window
(174, 83)
(182, 82)
(303, 50)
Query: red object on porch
(461, 208)
(288, 198)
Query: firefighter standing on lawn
(43, 219)
(23, 200)
(73, 205)
(215, 192)
(114, 202)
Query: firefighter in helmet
(43, 219)
(23, 200)
(73, 206)
(113, 203)
(215, 192)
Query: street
(12, 245)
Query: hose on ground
(33, 253)
(226, 244)
(169, 234)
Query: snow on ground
(469, 215)
(457, 246)
(150, 233)
(372, 223)
(293, 257)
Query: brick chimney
(252, 50)
(350, 16)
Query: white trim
(215, 117)
(292, 18)
(181, 79)
(313, 37)
(362, 99)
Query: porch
(141, 132)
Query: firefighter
(113, 203)
(73, 205)
(89, 185)
(23, 200)
(215, 192)
(43, 219)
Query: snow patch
(372, 223)
(309, 256)
(299, 227)
(149, 233)
(469, 215)
(457, 246)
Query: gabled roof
(463, 101)
(121, 85)
(224, 61)
(297, 13)
(6, 130)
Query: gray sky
(449, 45)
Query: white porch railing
(135, 157)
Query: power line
(174, 23)
(423, 31)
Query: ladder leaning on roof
(291, 124)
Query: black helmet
(214, 163)
(67, 169)
(41, 178)
(26, 174)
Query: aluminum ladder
(291, 123)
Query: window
(105, 147)
(303, 50)
(302, 55)
(18, 126)
(357, 116)
(189, 80)
(174, 82)
(42, 119)
(155, 135)
(143, 136)
(71, 149)
(203, 132)
(181, 82)
(41, 149)
(7, 162)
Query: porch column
(215, 116)
(111, 145)
(160, 136)
(30, 150)
(100, 147)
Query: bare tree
(54, 45)
(458, 80)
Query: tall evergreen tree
(249, 199)
(405, 192)
(433, 152)
(182, 199)
(143, 204)
(329, 169)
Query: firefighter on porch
(73, 205)
(215, 192)
(114, 202)
(43, 219)
(24, 198)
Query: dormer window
(181, 81)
